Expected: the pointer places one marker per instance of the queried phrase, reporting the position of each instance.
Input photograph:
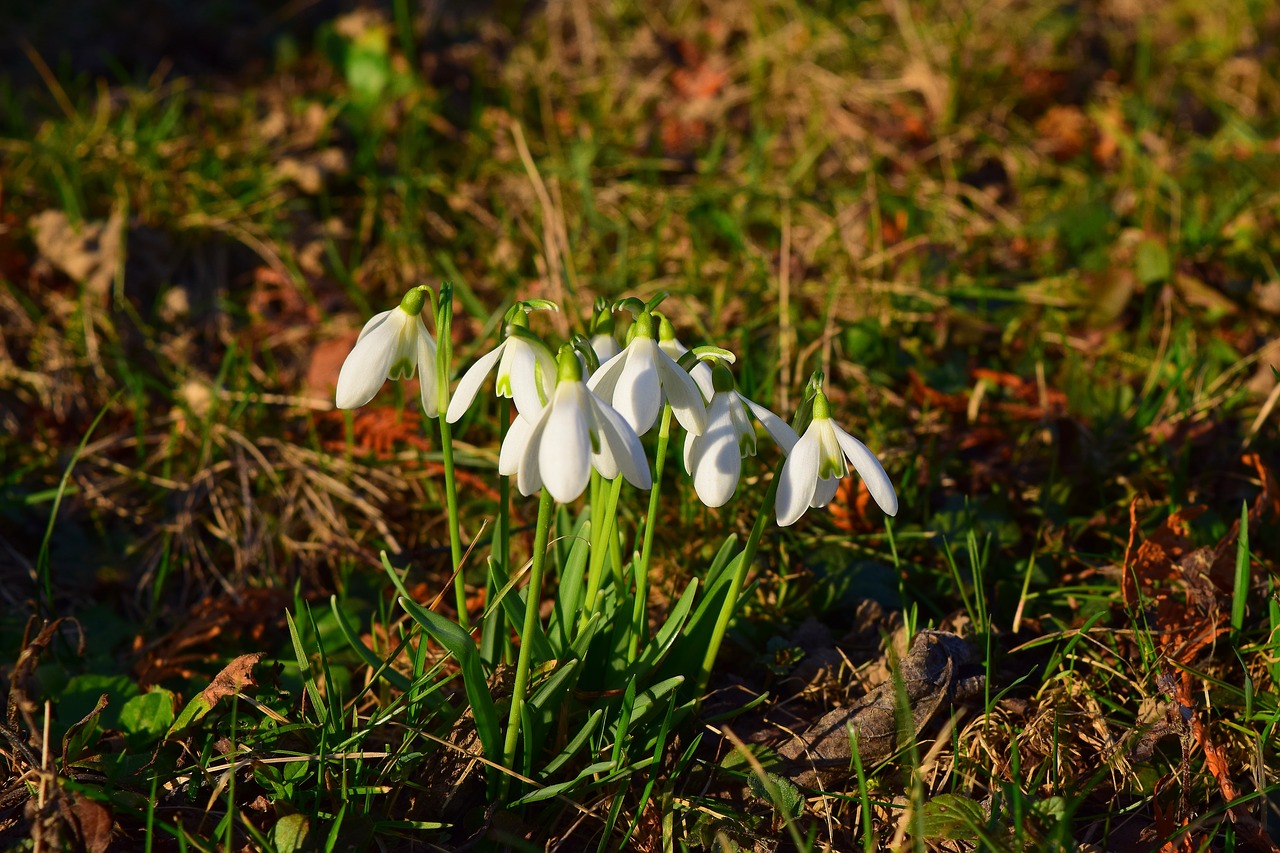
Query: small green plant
(578, 424)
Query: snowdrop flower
(603, 343)
(637, 379)
(714, 459)
(671, 345)
(575, 431)
(818, 462)
(526, 370)
(391, 346)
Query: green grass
(1033, 251)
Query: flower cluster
(588, 406)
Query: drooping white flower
(574, 432)
(526, 373)
(672, 346)
(605, 346)
(714, 459)
(818, 462)
(391, 346)
(603, 342)
(641, 376)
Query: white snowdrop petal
(545, 371)
(825, 491)
(428, 387)
(779, 430)
(374, 321)
(517, 439)
(798, 480)
(682, 393)
(605, 347)
(469, 384)
(605, 380)
(697, 446)
(367, 364)
(603, 459)
(564, 457)
(638, 393)
(674, 349)
(624, 444)
(831, 462)
(528, 473)
(523, 365)
(691, 442)
(742, 428)
(716, 472)
(701, 374)
(404, 359)
(871, 471)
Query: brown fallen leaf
(1247, 825)
(234, 677)
(91, 252)
(94, 823)
(933, 676)
(1064, 131)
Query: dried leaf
(94, 822)
(234, 677)
(77, 734)
(1064, 131)
(1156, 558)
(24, 670)
(1215, 759)
(91, 253)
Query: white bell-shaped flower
(605, 346)
(817, 463)
(526, 373)
(672, 346)
(391, 346)
(573, 433)
(714, 458)
(641, 376)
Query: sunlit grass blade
(381, 668)
(459, 644)
(1240, 589)
(318, 705)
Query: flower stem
(744, 561)
(533, 598)
(601, 534)
(638, 620)
(495, 640)
(451, 504)
(444, 368)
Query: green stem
(639, 623)
(601, 533)
(745, 559)
(533, 599)
(495, 638)
(451, 504)
(444, 367)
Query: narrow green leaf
(569, 594)
(558, 788)
(657, 649)
(575, 744)
(304, 667)
(379, 666)
(554, 686)
(513, 606)
(1240, 594)
(459, 644)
